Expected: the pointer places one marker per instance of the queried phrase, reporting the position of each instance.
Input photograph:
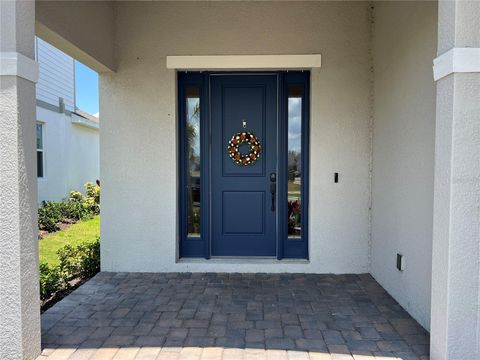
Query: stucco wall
(138, 147)
(71, 155)
(404, 45)
(455, 326)
(19, 282)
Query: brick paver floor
(231, 316)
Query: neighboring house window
(40, 169)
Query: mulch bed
(60, 226)
(59, 295)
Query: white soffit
(456, 60)
(245, 62)
(16, 64)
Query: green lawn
(87, 230)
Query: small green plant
(76, 196)
(69, 262)
(49, 215)
(92, 198)
(90, 264)
(76, 207)
(93, 191)
(80, 261)
(50, 280)
(74, 210)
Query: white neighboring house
(67, 138)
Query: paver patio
(231, 316)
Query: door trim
(245, 62)
(200, 247)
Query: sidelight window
(295, 97)
(294, 167)
(192, 152)
(193, 173)
(40, 158)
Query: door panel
(243, 219)
(246, 102)
(243, 212)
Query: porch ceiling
(82, 29)
(231, 316)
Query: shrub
(82, 260)
(91, 260)
(49, 215)
(69, 263)
(76, 207)
(50, 280)
(73, 209)
(76, 196)
(92, 200)
(93, 191)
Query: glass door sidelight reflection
(193, 165)
(192, 152)
(294, 161)
(294, 166)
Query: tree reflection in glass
(193, 161)
(295, 94)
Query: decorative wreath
(239, 139)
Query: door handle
(273, 189)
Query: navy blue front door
(243, 211)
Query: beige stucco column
(19, 293)
(455, 326)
